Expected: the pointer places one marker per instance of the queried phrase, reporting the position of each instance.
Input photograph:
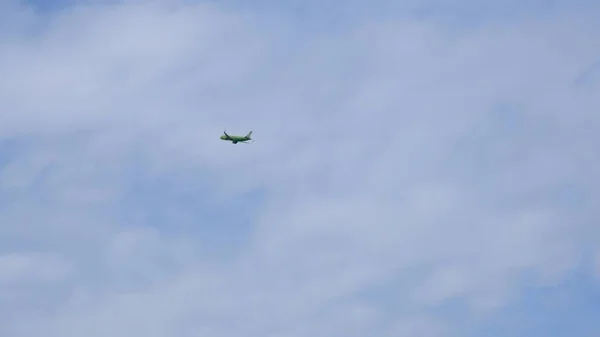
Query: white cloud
(393, 157)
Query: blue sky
(421, 168)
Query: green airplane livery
(236, 139)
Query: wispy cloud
(410, 177)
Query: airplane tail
(249, 135)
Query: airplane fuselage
(235, 139)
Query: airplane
(236, 139)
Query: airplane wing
(226, 135)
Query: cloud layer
(410, 177)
